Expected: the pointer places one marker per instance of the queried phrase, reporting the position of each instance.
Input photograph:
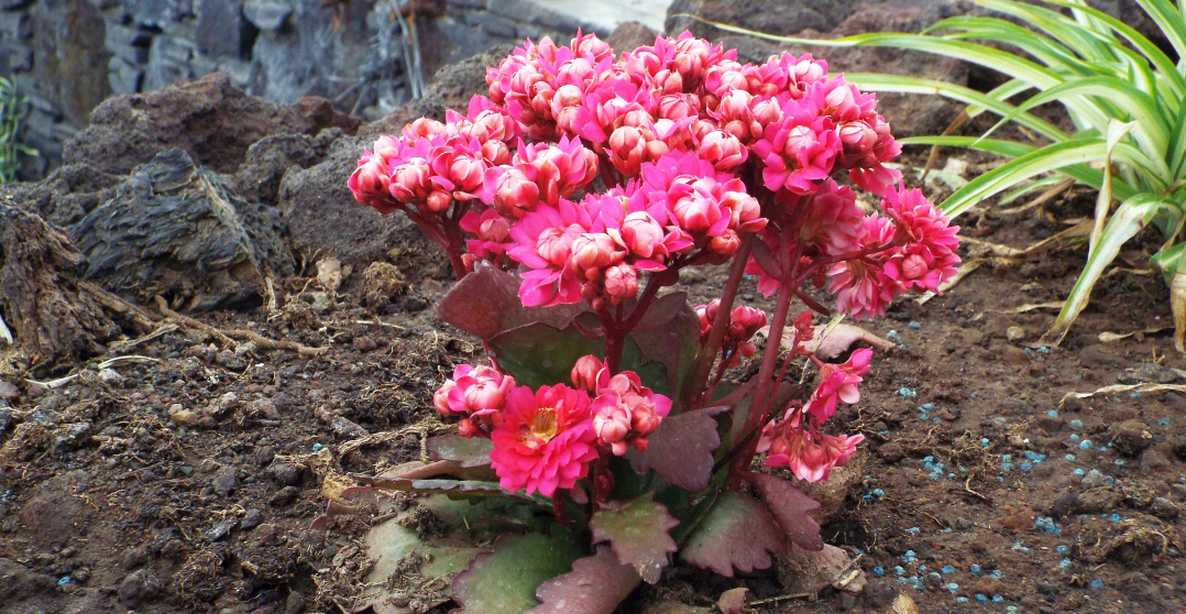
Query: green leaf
(637, 530)
(539, 354)
(504, 581)
(915, 85)
(737, 534)
(1129, 219)
(596, 585)
(1103, 203)
(1171, 260)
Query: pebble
(365, 343)
(224, 481)
(9, 392)
(1015, 333)
(219, 531)
(284, 496)
(138, 586)
(181, 416)
(285, 474)
(251, 519)
(110, 376)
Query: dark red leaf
(638, 532)
(669, 334)
(681, 450)
(596, 585)
(486, 303)
(738, 533)
(791, 509)
(467, 452)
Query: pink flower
(369, 183)
(491, 231)
(542, 242)
(411, 181)
(592, 252)
(545, 440)
(558, 169)
(799, 150)
(478, 393)
(510, 191)
(862, 287)
(838, 383)
(929, 241)
(625, 412)
(809, 454)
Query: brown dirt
(190, 483)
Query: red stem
(716, 336)
(764, 391)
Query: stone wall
(66, 56)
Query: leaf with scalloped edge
(504, 581)
(681, 450)
(738, 533)
(467, 452)
(596, 585)
(791, 509)
(637, 530)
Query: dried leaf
(738, 533)
(792, 510)
(904, 604)
(465, 451)
(1111, 337)
(832, 341)
(681, 450)
(330, 274)
(807, 571)
(732, 601)
(1117, 388)
(596, 585)
(504, 581)
(637, 530)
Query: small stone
(284, 496)
(365, 343)
(1015, 333)
(285, 474)
(347, 429)
(138, 586)
(219, 531)
(891, 452)
(181, 416)
(1130, 437)
(111, 377)
(9, 392)
(251, 519)
(224, 481)
(1164, 508)
(321, 301)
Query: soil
(188, 480)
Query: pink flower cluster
(598, 176)
(796, 442)
(744, 322)
(546, 439)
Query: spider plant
(12, 113)
(1123, 95)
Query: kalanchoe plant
(569, 200)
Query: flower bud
(914, 266)
(801, 138)
(621, 283)
(858, 137)
(468, 428)
(439, 201)
(592, 252)
(515, 194)
(725, 244)
(722, 149)
(440, 398)
(643, 235)
(555, 246)
(585, 372)
(410, 181)
(495, 229)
